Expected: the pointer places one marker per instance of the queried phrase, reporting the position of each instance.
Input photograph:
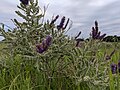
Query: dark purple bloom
(102, 36)
(108, 57)
(66, 24)
(78, 35)
(54, 20)
(60, 26)
(96, 25)
(48, 40)
(77, 43)
(78, 39)
(44, 45)
(95, 33)
(25, 2)
(119, 66)
(39, 48)
(114, 68)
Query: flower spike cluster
(115, 67)
(96, 33)
(62, 22)
(54, 20)
(44, 45)
(25, 2)
(78, 39)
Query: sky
(83, 13)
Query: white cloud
(101, 3)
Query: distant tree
(111, 38)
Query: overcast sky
(83, 13)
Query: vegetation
(37, 55)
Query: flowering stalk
(78, 40)
(119, 66)
(66, 24)
(44, 45)
(114, 68)
(25, 2)
(54, 20)
(60, 26)
(96, 33)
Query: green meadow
(37, 55)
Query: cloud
(100, 3)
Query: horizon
(83, 14)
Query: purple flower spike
(96, 24)
(25, 2)
(98, 35)
(44, 45)
(95, 33)
(114, 68)
(60, 26)
(54, 20)
(39, 48)
(66, 23)
(119, 66)
(48, 40)
(102, 36)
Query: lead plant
(96, 34)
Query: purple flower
(40, 48)
(54, 20)
(60, 26)
(102, 36)
(48, 40)
(66, 24)
(95, 33)
(25, 2)
(77, 43)
(108, 57)
(114, 68)
(78, 35)
(119, 66)
(78, 39)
